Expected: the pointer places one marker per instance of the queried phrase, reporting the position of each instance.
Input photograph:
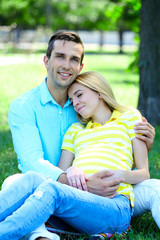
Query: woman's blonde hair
(98, 83)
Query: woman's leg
(85, 212)
(147, 198)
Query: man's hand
(63, 179)
(97, 185)
(147, 131)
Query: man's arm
(147, 131)
(97, 185)
(27, 141)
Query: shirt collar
(116, 114)
(47, 97)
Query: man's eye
(75, 60)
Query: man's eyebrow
(76, 57)
(59, 53)
(73, 56)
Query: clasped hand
(104, 183)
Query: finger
(83, 183)
(78, 183)
(148, 124)
(144, 125)
(73, 182)
(70, 182)
(85, 176)
(113, 195)
(144, 119)
(144, 132)
(115, 182)
(113, 189)
(104, 173)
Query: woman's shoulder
(75, 127)
(131, 115)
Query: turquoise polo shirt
(38, 125)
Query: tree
(149, 96)
(124, 15)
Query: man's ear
(46, 62)
(81, 66)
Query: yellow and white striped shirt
(98, 147)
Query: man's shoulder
(29, 97)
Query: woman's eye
(79, 95)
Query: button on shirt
(38, 125)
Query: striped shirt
(97, 147)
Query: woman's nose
(75, 102)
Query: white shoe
(55, 237)
(41, 232)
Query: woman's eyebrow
(76, 91)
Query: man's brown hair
(66, 36)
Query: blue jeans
(32, 199)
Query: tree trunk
(120, 32)
(149, 96)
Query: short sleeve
(69, 137)
(132, 117)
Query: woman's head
(100, 85)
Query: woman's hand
(77, 178)
(147, 131)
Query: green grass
(17, 78)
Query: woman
(111, 127)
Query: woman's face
(85, 100)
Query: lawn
(21, 72)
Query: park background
(125, 48)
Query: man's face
(64, 64)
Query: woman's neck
(102, 115)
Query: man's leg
(41, 231)
(13, 196)
(85, 212)
(9, 180)
(147, 198)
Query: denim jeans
(32, 199)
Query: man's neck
(60, 95)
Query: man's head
(64, 36)
(63, 60)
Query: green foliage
(84, 14)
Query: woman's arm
(66, 160)
(141, 162)
(147, 131)
(76, 177)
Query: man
(39, 118)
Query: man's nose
(66, 64)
